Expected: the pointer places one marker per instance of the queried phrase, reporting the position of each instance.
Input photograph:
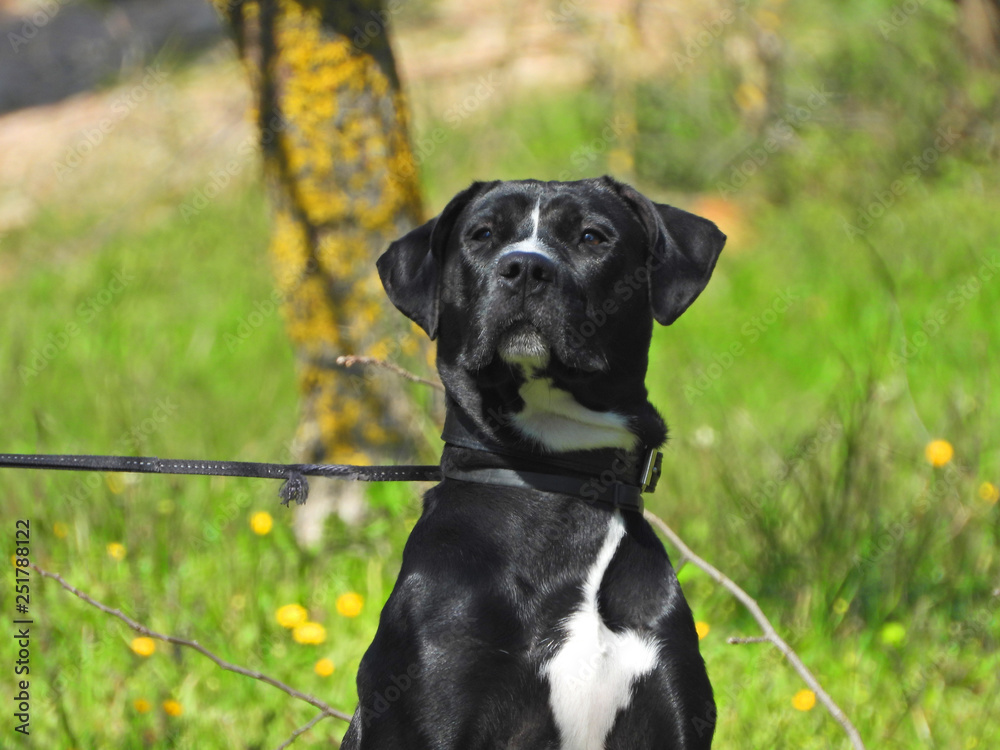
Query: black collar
(607, 475)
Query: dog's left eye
(483, 233)
(592, 237)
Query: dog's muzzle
(523, 278)
(525, 273)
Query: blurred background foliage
(848, 149)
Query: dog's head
(550, 281)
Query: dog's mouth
(523, 344)
(534, 347)
(530, 341)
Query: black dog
(535, 607)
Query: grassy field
(802, 389)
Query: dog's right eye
(483, 233)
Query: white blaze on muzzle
(530, 244)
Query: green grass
(796, 466)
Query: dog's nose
(532, 271)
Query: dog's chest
(558, 421)
(592, 672)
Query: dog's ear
(683, 249)
(411, 268)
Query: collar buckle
(651, 470)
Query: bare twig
(749, 639)
(770, 634)
(353, 360)
(303, 729)
(680, 563)
(326, 709)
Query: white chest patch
(559, 422)
(591, 675)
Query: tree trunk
(979, 21)
(343, 184)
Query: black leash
(294, 488)
(612, 477)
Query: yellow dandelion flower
(143, 646)
(350, 604)
(115, 482)
(141, 705)
(117, 551)
(309, 633)
(261, 523)
(989, 492)
(939, 452)
(60, 529)
(804, 700)
(702, 628)
(172, 707)
(324, 668)
(291, 615)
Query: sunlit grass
(801, 467)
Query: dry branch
(770, 634)
(303, 729)
(353, 360)
(325, 709)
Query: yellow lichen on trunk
(342, 184)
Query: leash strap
(294, 488)
(619, 483)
